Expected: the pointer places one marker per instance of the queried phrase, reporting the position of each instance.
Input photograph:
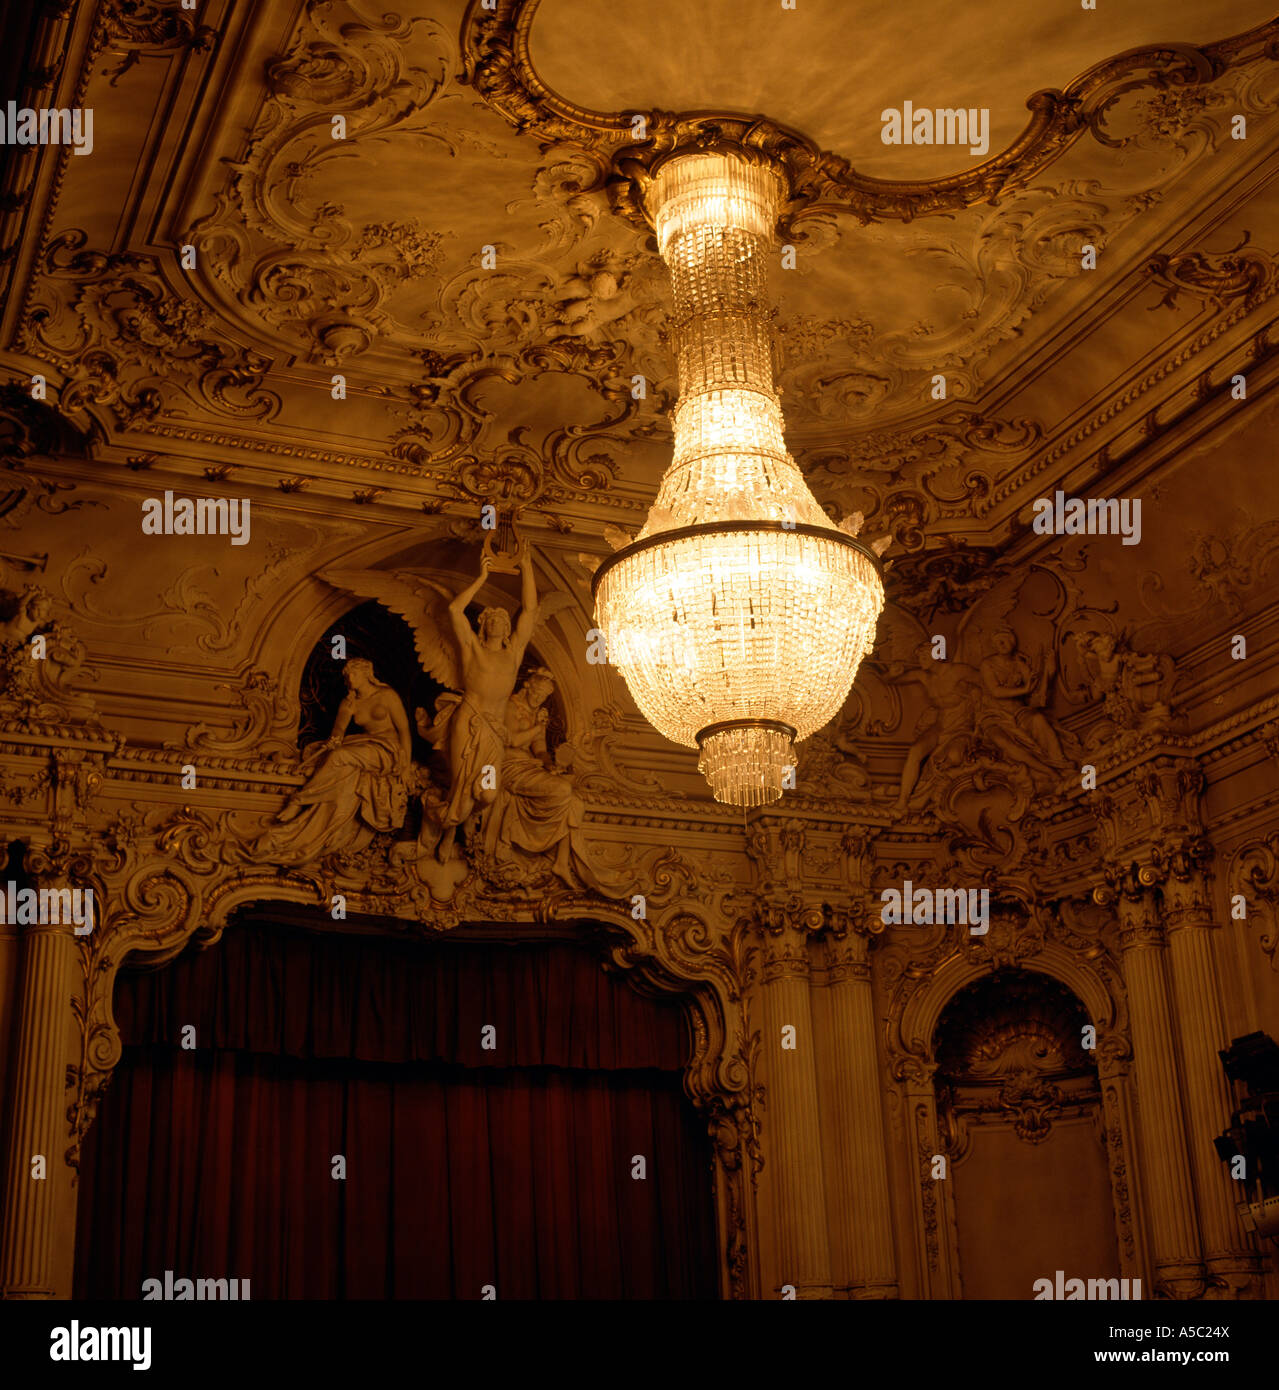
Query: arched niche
(918, 1000)
(1020, 1118)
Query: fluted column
(1174, 1233)
(1187, 917)
(10, 960)
(860, 1204)
(39, 1212)
(792, 1136)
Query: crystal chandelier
(740, 613)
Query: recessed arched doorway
(364, 1115)
(1019, 1110)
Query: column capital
(915, 1072)
(1172, 867)
(848, 954)
(1129, 892)
(1174, 874)
(781, 914)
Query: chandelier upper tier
(740, 613)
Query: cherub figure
(1101, 661)
(592, 298)
(1133, 686)
(29, 611)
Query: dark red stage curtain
(464, 1167)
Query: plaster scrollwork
(182, 604)
(1117, 1145)
(1149, 821)
(42, 664)
(734, 1127)
(1254, 873)
(1084, 927)
(126, 341)
(135, 29)
(1216, 278)
(594, 759)
(264, 727)
(1227, 571)
(608, 295)
(935, 470)
(495, 47)
(831, 763)
(1174, 112)
(188, 618)
(281, 247)
(996, 269)
(573, 291)
(927, 1142)
(946, 580)
(830, 371)
(446, 421)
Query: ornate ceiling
(469, 260)
(366, 255)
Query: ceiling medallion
(740, 613)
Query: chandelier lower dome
(745, 760)
(740, 613)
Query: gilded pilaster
(793, 1181)
(1188, 921)
(39, 1195)
(1174, 1232)
(862, 1245)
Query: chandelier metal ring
(725, 528)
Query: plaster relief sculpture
(480, 667)
(533, 807)
(471, 727)
(1014, 720)
(30, 612)
(593, 298)
(951, 691)
(536, 808)
(355, 786)
(1133, 686)
(36, 681)
(984, 747)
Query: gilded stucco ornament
(496, 52)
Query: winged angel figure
(478, 666)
